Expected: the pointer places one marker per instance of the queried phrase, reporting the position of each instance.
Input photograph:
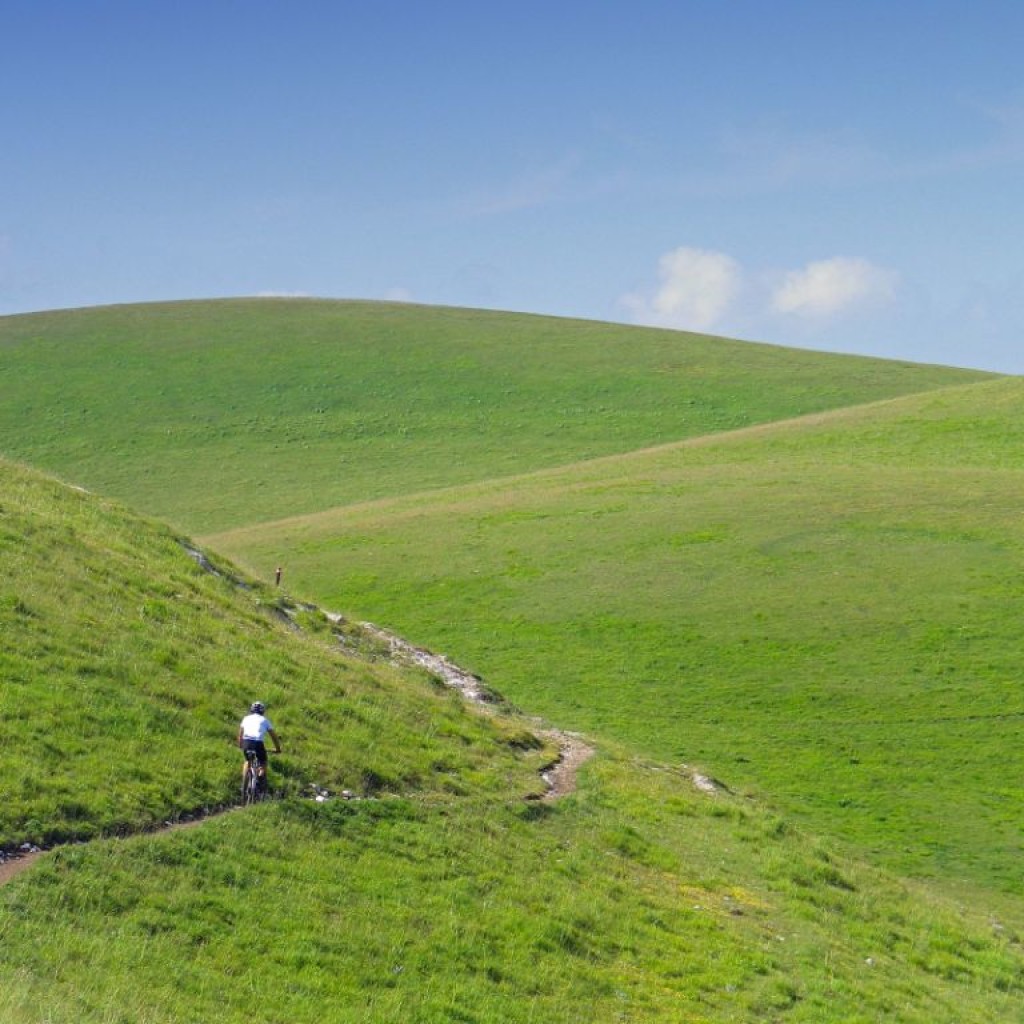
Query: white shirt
(255, 727)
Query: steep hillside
(124, 668)
(219, 414)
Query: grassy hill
(445, 894)
(220, 414)
(796, 571)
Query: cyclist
(252, 731)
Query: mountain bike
(254, 785)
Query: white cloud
(827, 288)
(706, 290)
(697, 288)
(398, 294)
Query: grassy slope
(219, 414)
(640, 898)
(826, 612)
(121, 657)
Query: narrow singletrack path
(13, 864)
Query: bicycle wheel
(250, 782)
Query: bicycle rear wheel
(250, 782)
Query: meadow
(445, 891)
(795, 572)
(639, 900)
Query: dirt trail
(13, 864)
(561, 776)
(17, 862)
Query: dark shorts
(260, 747)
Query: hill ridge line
(699, 441)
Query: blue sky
(839, 176)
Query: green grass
(821, 612)
(824, 613)
(443, 895)
(638, 900)
(218, 414)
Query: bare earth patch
(13, 864)
(561, 776)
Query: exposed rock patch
(467, 683)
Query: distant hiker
(252, 731)
(277, 577)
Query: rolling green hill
(444, 894)
(797, 572)
(220, 414)
(124, 666)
